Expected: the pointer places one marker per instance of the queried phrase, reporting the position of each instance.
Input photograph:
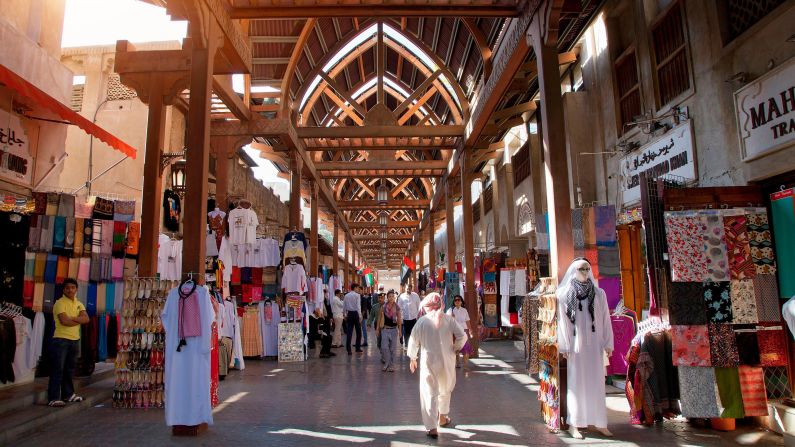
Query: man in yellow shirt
(69, 314)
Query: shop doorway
(633, 266)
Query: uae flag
(405, 269)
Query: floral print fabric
(766, 294)
(718, 302)
(743, 302)
(761, 244)
(723, 346)
(715, 247)
(741, 265)
(686, 303)
(690, 345)
(699, 392)
(685, 247)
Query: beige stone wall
(271, 211)
(41, 21)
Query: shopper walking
(352, 306)
(436, 339)
(388, 327)
(367, 305)
(461, 316)
(372, 319)
(338, 314)
(409, 303)
(69, 315)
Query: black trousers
(408, 326)
(63, 358)
(313, 335)
(325, 335)
(353, 324)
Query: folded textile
(731, 397)
(699, 392)
(747, 347)
(58, 234)
(103, 209)
(772, 347)
(608, 260)
(77, 245)
(95, 273)
(69, 241)
(74, 268)
(743, 302)
(84, 208)
(38, 297)
(691, 345)
(718, 301)
(40, 198)
(738, 248)
(124, 210)
(34, 234)
(768, 308)
(40, 265)
(52, 203)
(714, 238)
(117, 268)
(84, 269)
(62, 269)
(101, 297)
(46, 223)
(683, 233)
(91, 299)
(605, 225)
(49, 297)
(50, 268)
(96, 236)
(752, 387)
(82, 292)
(88, 236)
(66, 205)
(107, 237)
(777, 382)
(133, 239)
(119, 246)
(723, 346)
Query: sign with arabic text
(766, 112)
(670, 154)
(16, 163)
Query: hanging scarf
(578, 292)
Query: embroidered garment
(686, 303)
(133, 239)
(718, 302)
(691, 345)
(124, 210)
(577, 231)
(777, 382)
(715, 247)
(699, 392)
(77, 249)
(88, 236)
(722, 346)
(103, 209)
(747, 347)
(731, 398)
(685, 247)
(738, 249)
(767, 302)
(772, 347)
(752, 387)
(761, 244)
(743, 301)
(608, 260)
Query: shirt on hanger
(294, 279)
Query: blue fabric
(102, 346)
(91, 304)
(110, 298)
(50, 268)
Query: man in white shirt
(338, 313)
(352, 308)
(409, 303)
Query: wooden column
(554, 146)
(495, 214)
(151, 205)
(314, 263)
(450, 222)
(198, 157)
(347, 262)
(225, 150)
(470, 294)
(421, 265)
(296, 166)
(431, 246)
(335, 258)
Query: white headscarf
(567, 341)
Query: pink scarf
(432, 304)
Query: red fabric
(772, 348)
(256, 276)
(752, 386)
(27, 294)
(409, 263)
(247, 293)
(30, 91)
(214, 367)
(235, 278)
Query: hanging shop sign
(16, 163)
(766, 112)
(671, 154)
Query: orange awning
(30, 91)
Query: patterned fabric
(743, 301)
(731, 398)
(103, 209)
(723, 346)
(592, 255)
(718, 302)
(589, 227)
(685, 247)
(577, 231)
(715, 247)
(741, 265)
(772, 347)
(777, 382)
(291, 346)
(691, 345)
(605, 226)
(608, 260)
(748, 347)
(761, 244)
(752, 387)
(686, 303)
(766, 293)
(699, 392)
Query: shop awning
(30, 91)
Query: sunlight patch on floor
(488, 444)
(229, 400)
(496, 428)
(461, 431)
(321, 435)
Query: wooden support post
(347, 281)
(153, 181)
(554, 144)
(314, 262)
(225, 149)
(421, 264)
(194, 229)
(450, 222)
(296, 166)
(431, 246)
(335, 248)
(470, 294)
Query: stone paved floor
(348, 400)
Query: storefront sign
(670, 154)
(766, 112)
(16, 164)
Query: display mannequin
(585, 334)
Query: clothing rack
(10, 310)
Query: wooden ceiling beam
(222, 87)
(347, 109)
(412, 147)
(389, 224)
(379, 165)
(373, 10)
(343, 93)
(514, 110)
(380, 131)
(482, 43)
(418, 91)
(392, 204)
(273, 39)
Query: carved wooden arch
(298, 50)
(366, 45)
(387, 88)
(550, 21)
(483, 45)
